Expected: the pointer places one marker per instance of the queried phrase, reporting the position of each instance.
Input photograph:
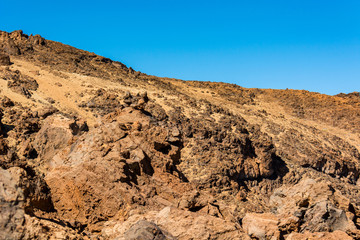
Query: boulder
(315, 202)
(144, 230)
(56, 133)
(261, 226)
(324, 217)
(4, 60)
(20, 83)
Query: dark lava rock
(4, 60)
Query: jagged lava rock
(93, 147)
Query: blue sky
(312, 45)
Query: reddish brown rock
(196, 160)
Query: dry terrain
(92, 149)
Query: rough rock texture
(92, 149)
(20, 83)
(145, 230)
(4, 60)
(320, 236)
(181, 224)
(11, 205)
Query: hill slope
(92, 149)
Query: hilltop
(92, 149)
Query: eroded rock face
(116, 155)
(4, 60)
(133, 164)
(57, 133)
(129, 148)
(18, 198)
(12, 215)
(243, 155)
(309, 206)
(11, 48)
(167, 159)
(180, 224)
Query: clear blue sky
(299, 44)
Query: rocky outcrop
(15, 220)
(309, 206)
(11, 204)
(132, 156)
(117, 150)
(181, 225)
(137, 153)
(4, 60)
(58, 132)
(19, 83)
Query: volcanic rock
(92, 149)
(11, 204)
(145, 230)
(4, 60)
